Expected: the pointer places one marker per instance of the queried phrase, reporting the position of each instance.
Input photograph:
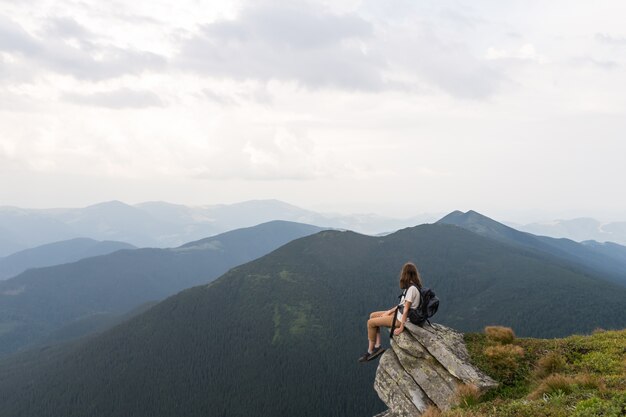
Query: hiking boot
(369, 356)
(376, 352)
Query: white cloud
(123, 98)
(309, 45)
(525, 52)
(70, 50)
(332, 102)
(274, 154)
(611, 39)
(588, 61)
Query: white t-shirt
(412, 295)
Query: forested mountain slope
(280, 335)
(40, 301)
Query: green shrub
(595, 407)
(525, 408)
(599, 362)
(557, 398)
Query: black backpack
(428, 306)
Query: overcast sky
(513, 108)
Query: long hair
(410, 276)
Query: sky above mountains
(513, 108)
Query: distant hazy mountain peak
(455, 213)
(276, 226)
(158, 202)
(268, 202)
(113, 204)
(609, 259)
(483, 225)
(458, 218)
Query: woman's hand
(399, 329)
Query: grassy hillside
(280, 335)
(578, 376)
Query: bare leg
(373, 343)
(370, 346)
(373, 329)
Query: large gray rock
(424, 367)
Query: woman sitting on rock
(410, 282)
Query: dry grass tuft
(500, 334)
(431, 411)
(462, 412)
(467, 395)
(567, 384)
(553, 383)
(505, 360)
(590, 382)
(551, 363)
(504, 352)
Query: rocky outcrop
(424, 367)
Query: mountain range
(56, 253)
(86, 294)
(609, 260)
(160, 224)
(579, 229)
(280, 335)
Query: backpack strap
(419, 291)
(393, 322)
(395, 315)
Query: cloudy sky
(516, 109)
